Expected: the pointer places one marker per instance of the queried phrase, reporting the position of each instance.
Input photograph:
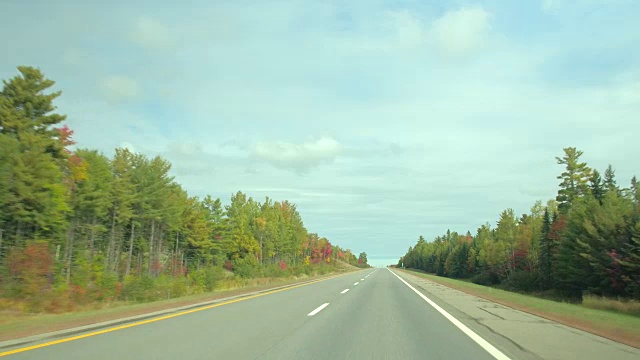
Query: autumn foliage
(31, 273)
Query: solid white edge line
(318, 309)
(475, 337)
(356, 283)
(344, 291)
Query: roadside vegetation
(17, 324)
(80, 229)
(582, 247)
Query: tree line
(587, 240)
(79, 218)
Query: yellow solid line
(38, 346)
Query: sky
(381, 120)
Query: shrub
(206, 279)
(108, 284)
(486, 279)
(297, 270)
(271, 271)
(246, 268)
(137, 288)
(521, 281)
(31, 274)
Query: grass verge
(619, 327)
(14, 325)
(631, 307)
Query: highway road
(368, 314)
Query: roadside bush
(297, 270)
(206, 279)
(521, 281)
(308, 270)
(323, 269)
(275, 271)
(167, 286)
(106, 286)
(136, 289)
(486, 279)
(31, 274)
(246, 268)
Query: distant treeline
(77, 221)
(586, 241)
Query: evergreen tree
(630, 263)
(25, 109)
(610, 180)
(574, 178)
(546, 252)
(596, 186)
(35, 200)
(635, 190)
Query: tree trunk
(92, 239)
(118, 254)
(174, 258)
(1, 231)
(260, 250)
(158, 249)
(126, 273)
(150, 268)
(111, 241)
(69, 250)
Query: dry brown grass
(631, 307)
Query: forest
(77, 226)
(585, 241)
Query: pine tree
(546, 253)
(592, 243)
(8, 148)
(635, 190)
(123, 198)
(92, 197)
(596, 186)
(631, 263)
(36, 199)
(574, 178)
(610, 180)
(26, 109)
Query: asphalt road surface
(368, 314)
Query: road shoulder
(518, 334)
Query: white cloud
(473, 136)
(298, 157)
(152, 35)
(117, 88)
(461, 32)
